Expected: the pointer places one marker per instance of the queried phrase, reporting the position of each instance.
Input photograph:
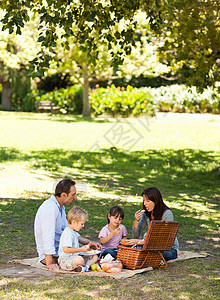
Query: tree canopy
(189, 30)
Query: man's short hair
(64, 186)
(77, 214)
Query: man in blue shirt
(50, 221)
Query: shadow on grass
(186, 171)
(17, 223)
(60, 118)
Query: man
(50, 221)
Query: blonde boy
(69, 249)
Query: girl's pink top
(115, 240)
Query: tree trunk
(6, 95)
(86, 106)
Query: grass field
(178, 153)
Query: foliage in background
(175, 98)
(179, 98)
(191, 40)
(126, 101)
(21, 86)
(70, 99)
(0, 94)
(120, 101)
(140, 81)
(142, 60)
(190, 30)
(15, 53)
(54, 81)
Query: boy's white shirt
(69, 238)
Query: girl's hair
(155, 196)
(116, 211)
(77, 214)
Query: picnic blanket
(33, 262)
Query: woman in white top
(153, 209)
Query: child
(69, 258)
(111, 235)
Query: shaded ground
(35, 182)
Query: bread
(117, 264)
(91, 251)
(112, 267)
(106, 266)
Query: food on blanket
(93, 267)
(112, 267)
(117, 264)
(106, 266)
(114, 270)
(96, 267)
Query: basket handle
(147, 237)
(161, 255)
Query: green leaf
(41, 38)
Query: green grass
(179, 154)
(29, 131)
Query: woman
(153, 209)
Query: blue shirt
(50, 221)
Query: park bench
(46, 106)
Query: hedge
(121, 101)
(133, 101)
(127, 101)
(70, 100)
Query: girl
(111, 235)
(153, 209)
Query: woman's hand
(138, 215)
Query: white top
(50, 221)
(69, 238)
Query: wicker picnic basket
(159, 238)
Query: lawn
(117, 159)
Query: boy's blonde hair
(76, 214)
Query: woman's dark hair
(155, 196)
(116, 211)
(64, 186)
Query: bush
(70, 100)
(133, 101)
(179, 98)
(21, 86)
(121, 101)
